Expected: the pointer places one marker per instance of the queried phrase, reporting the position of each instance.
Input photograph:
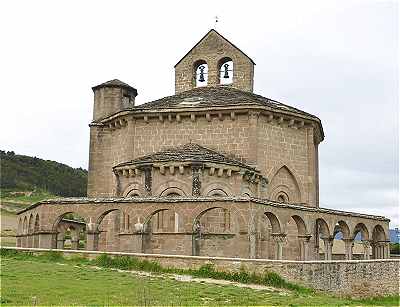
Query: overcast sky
(335, 59)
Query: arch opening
(158, 229)
(225, 69)
(70, 232)
(213, 232)
(200, 73)
(110, 224)
(297, 239)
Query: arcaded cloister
(213, 170)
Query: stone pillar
(148, 180)
(348, 247)
(328, 243)
(60, 242)
(280, 239)
(367, 249)
(19, 241)
(46, 239)
(75, 243)
(92, 237)
(253, 136)
(196, 180)
(304, 247)
(252, 232)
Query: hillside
(24, 173)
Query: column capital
(304, 238)
(279, 237)
(92, 228)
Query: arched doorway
(70, 232)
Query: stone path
(188, 278)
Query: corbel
(291, 123)
(233, 115)
(208, 117)
(171, 169)
(146, 119)
(280, 120)
(229, 172)
(193, 117)
(160, 118)
(178, 118)
(181, 169)
(270, 117)
(220, 116)
(220, 172)
(212, 171)
(162, 170)
(170, 118)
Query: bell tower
(214, 61)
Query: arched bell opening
(200, 73)
(225, 69)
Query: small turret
(111, 97)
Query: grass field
(35, 280)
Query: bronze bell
(226, 73)
(201, 77)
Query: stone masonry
(214, 170)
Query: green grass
(50, 279)
(36, 196)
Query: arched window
(282, 198)
(225, 66)
(200, 73)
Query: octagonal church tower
(214, 137)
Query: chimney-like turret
(111, 97)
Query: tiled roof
(191, 153)
(216, 96)
(114, 83)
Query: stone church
(213, 170)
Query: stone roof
(217, 96)
(188, 153)
(214, 31)
(114, 83)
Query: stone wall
(356, 278)
(211, 50)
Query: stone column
(252, 232)
(18, 243)
(328, 243)
(60, 243)
(75, 242)
(196, 180)
(148, 180)
(280, 239)
(348, 246)
(367, 249)
(92, 237)
(304, 247)
(253, 136)
(46, 239)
